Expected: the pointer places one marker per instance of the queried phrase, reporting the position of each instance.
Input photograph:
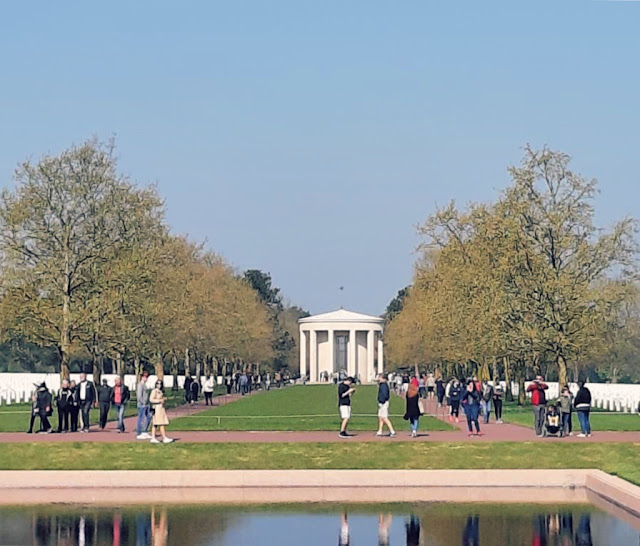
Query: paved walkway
(491, 433)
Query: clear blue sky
(308, 139)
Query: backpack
(487, 393)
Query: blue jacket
(455, 393)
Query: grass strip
(618, 459)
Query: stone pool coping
(111, 487)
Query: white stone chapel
(341, 341)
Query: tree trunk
(159, 366)
(562, 371)
(137, 367)
(520, 378)
(507, 379)
(187, 363)
(174, 370)
(97, 368)
(65, 330)
(119, 365)
(198, 369)
(614, 374)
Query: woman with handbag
(414, 409)
(157, 400)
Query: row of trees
(526, 284)
(90, 268)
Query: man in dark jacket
(384, 396)
(539, 402)
(64, 400)
(104, 403)
(120, 395)
(43, 403)
(86, 394)
(187, 388)
(195, 389)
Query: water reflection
(439, 525)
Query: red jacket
(538, 397)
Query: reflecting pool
(311, 525)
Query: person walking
(345, 390)
(498, 394)
(120, 395)
(64, 402)
(144, 410)
(187, 387)
(384, 397)
(413, 410)
(471, 403)
(208, 389)
(244, 382)
(447, 395)
(86, 399)
(539, 403)
(157, 400)
(485, 401)
(582, 404)
(104, 403)
(74, 410)
(34, 409)
(440, 391)
(229, 384)
(565, 402)
(431, 385)
(195, 389)
(422, 387)
(45, 410)
(455, 396)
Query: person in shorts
(345, 390)
(384, 395)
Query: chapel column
(332, 350)
(313, 356)
(353, 352)
(370, 357)
(303, 354)
(380, 354)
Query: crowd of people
(75, 401)
(477, 400)
(555, 416)
(247, 382)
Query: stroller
(552, 422)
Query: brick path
(491, 432)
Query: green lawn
(311, 407)
(15, 418)
(618, 459)
(620, 422)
